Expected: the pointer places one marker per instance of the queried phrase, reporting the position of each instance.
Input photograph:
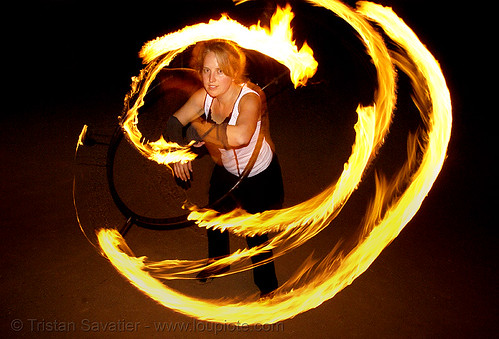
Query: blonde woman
(227, 113)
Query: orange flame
(276, 42)
(316, 282)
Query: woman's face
(215, 81)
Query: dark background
(69, 63)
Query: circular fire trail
(394, 204)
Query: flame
(317, 211)
(276, 42)
(81, 138)
(316, 281)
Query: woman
(227, 113)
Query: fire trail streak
(388, 213)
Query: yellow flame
(317, 282)
(81, 138)
(276, 42)
(318, 210)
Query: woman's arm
(232, 136)
(249, 113)
(191, 110)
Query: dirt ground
(72, 66)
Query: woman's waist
(236, 160)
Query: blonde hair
(231, 59)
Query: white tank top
(235, 159)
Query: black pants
(261, 192)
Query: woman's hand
(183, 170)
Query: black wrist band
(174, 130)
